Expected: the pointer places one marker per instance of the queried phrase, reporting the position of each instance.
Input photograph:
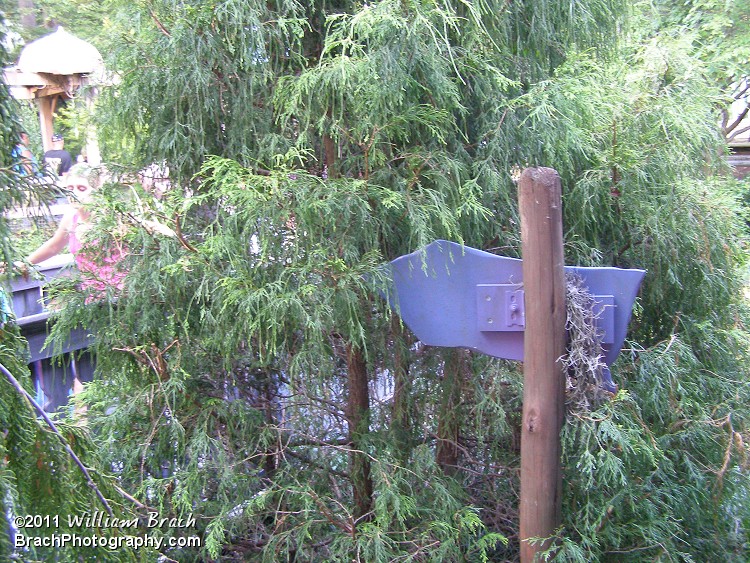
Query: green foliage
(82, 18)
(72, 121)
(719, 30)
(286, 309)
(717, 33)
(218, 83)
(646, 468)
(248, 373)
(38, 475)
(635, 177)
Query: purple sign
(458, 296)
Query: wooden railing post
(544, 344)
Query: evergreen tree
(249, 375)
(31, 19)
(719, 34)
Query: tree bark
(449, 419)
(358, 419)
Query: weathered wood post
(472, 299)
(540, 206)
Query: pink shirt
(98, 266)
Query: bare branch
(158, 23)
(89, 481)
(737, 133)
(738, 120)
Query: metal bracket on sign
(500, 308)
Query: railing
(31, 308)
(53, 378)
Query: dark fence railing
(53, 367)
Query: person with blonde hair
(97, 265)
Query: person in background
(98, 272)
(98, 266)
(57, 158)
(81, 181)
(22, 157)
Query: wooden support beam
(45, 121)
(540, 204)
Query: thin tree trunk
(401, 423)
(449, 418)
(358, 419)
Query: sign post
(540, 206)
(457, 296)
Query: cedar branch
(89, 481)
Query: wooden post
(540, 206)
(44, 104)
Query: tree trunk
(449, 418)
(358, 419)
(401, 423)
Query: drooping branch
(89, 481)
(735, 134)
